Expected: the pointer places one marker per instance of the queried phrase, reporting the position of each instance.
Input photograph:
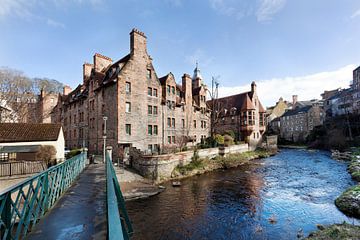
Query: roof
(29, 132)
(297, 111)
(240, 101)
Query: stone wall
(159, 167)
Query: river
(273, 198)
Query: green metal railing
(119, 225)
(23, 205)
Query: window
(155, 93)
(169, 122)
(127, 107)
(183, 123)
(128, 129)
(149, 91)
(204, 124)
(254, 135)
(148, 74)
(169, 139)
(257, 135)
(155, 110)
(149, 130)
(128, 87)
(173, 122)
(173, 139)
(155, 130)
(168, 89)
(173, 90)
(150, 109)
(194, 123)
(150, 148)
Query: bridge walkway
(80, 213)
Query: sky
(287, 47)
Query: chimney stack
(253, 87)
(295, 99)
(137, 42)
(87, 67)
(66, 90)
(187, 88)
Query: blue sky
(286, 46)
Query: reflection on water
(296, 189)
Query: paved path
(80, 213)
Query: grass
(336, 232)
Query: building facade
(296, 124)
(242, 113)
(141, 109)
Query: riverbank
(200, 166)
(349, 201)
(336, 232)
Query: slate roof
(297, 111)
(28, 132)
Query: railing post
(109, 152)
(6, 217)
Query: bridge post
(109, 152)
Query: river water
(274, 198)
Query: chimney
(101, 62)
(66, 90)
(87, 67)
(137, 42)
(295, 98)
(187, 88)
(253, 87)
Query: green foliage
(197, 164)
(195, 156)
(219, 139)
(336, 232)
(73, 153)
(230, 133)
(228, 140)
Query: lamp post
(104, 137)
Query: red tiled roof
(29, 132)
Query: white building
(22, 141)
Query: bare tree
(19, 95)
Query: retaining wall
(161, 166)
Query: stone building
(243, 114)
(274, 113)
(142, 110)
(296, 124)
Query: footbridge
(72, 200)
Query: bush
(73, 153)
(228, 140)
(230, 133)
(219, 139)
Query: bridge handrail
(22, 205)
(119, 225)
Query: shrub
(228, 140)
(73, 153)
(230, 133)
(219, 139)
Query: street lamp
(104, 136)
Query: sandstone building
(243, 114)
(142, 110)
(296, 124)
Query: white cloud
(356, 14)
(263, 10)
(18, 8)
(268, 8)
(306, 87)
(54, 23)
